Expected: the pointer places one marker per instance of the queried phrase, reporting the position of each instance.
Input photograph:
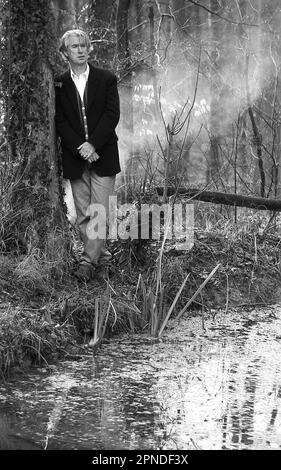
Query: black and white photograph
(140, 232)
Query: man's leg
(87, 190)
(81, 190)
(101, 188)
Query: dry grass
(28, 337)
(44, 312)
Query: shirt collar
(82, 75)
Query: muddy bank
(46, 317)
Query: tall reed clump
(156, 311)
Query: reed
(101, 313)
(200, 288)
(155, 311)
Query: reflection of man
(87, 113)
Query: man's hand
(88, 152)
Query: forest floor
(44, 318)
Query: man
(87, 113)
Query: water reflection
(217, 388)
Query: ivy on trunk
(29, 105)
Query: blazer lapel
(93, 82)
(70, 90)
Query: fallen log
(229, 199)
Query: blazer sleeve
(110, 117)
(71, 140)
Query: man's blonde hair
(74, 32)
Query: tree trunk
(49, 138)
(40, 195)
(36, 196)
(151, 18)
(214, 129)
(123, 50)
(102, 26)
(126, 86)
(228, 199)
(66, 14)
(103, 9)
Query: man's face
(76, 50)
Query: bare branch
(251, 25)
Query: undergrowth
(45, 313)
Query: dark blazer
(102, 111)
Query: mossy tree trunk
(36, 195)
(42, 188)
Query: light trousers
(87, 191)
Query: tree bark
(54, 189)
(65, 14)
(39, 219)
(42, 195)
(102, 24)
(103, 9)
(126, 85)
(123, 51)
(214, 152)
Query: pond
(212, 384)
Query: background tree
(124, 71)
(98, 18)
(66, 14)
